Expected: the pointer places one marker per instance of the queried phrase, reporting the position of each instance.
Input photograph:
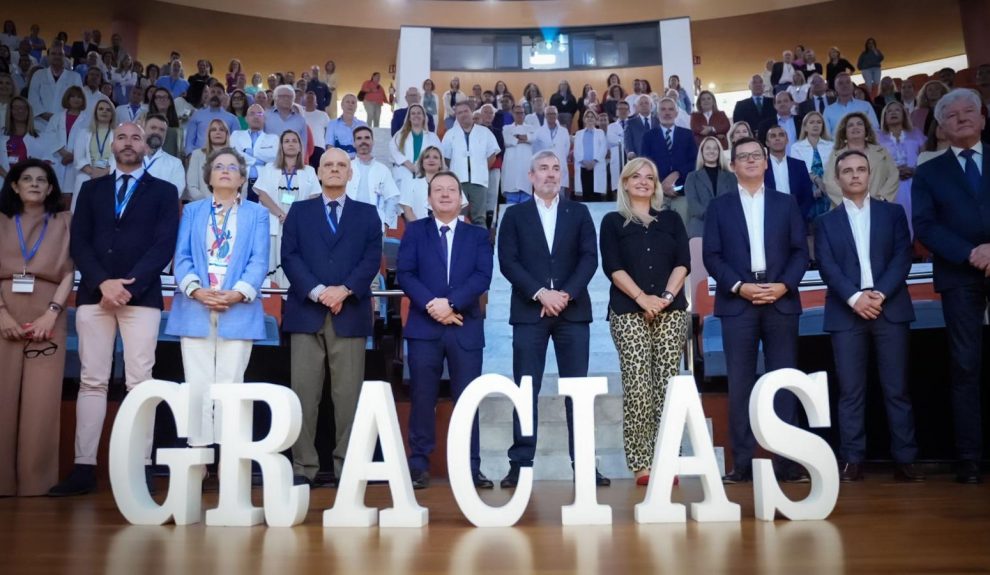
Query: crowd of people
(226, 185)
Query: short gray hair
(543, 154)
(208, 165)
(284, 88)
(954, 96)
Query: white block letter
(127, 445)
(795, 444)
(459, 450)
(682, 408)
(285, 505)
(375, 418)
(585, 510)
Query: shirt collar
(745, 193)
(542, 205)
(977, 149)
(452, 225)
(853, 209)
(780, 162)
(135, 175)
(340, 200)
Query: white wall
(412, 64)
(676, 52)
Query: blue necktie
(122, 190)
(332, 209)
(972, 171)
(443, 241)
(668, 139)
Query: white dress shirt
(450, 239)
(165, 166)
(753, 210)
(859, 221)
(781, 176)
(548, 217)
(977, 157)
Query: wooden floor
(877, 527)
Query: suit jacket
(809, 106)
(951, 218)
(718, 120)
(681, 157)
(767, 124)
(699, 193)
(138, 245)
(726, 250)
(745, 111)
(890, 260)
(635, 130)
(777, 71)
(312, 255)
(799, 184)
(422, 275)
(247, 270)
(529, 265)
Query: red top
(70, 120)
(373, 92)
(16, 150)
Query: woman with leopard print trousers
(645, 254)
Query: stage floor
(878, 527)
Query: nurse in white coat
(590, 148)
(91, 153)
(62, 131)
(519, 138)
(555, 137)
(408, 143)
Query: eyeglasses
(49, 349)
(754, 156)
(227, 168)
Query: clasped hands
(979, 258)
(217, 300)
(652, 305)
(333, 297)
(869, 305)
(762, 294)
(441, 312)
(553, 302)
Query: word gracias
(285, 504)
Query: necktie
(821, 104)
(333, 205)
(122, 190)
(623, 124)
(972, 171)
(646, 122)
(668, 139)
(759, 102)
(444, 246)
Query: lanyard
(147, 164)
(218, 238)
(288, 179)
(29, 255)
(134, 111)
(120, 205)
(100, 146)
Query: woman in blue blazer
(221, 259)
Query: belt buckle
(760, 276)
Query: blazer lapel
(563, 215)
(199, 234)
(740, 216)
(457, 248)
(321, 223)
(952, 167)
(433, 239)
(140, 190)
(845, 230)
(241, 245)
(535, 223)
(706, 183)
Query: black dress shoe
(482, 482)
(301, 480)
(908, 473)
(744, 475)
(325, 479)
(968, 472)
(512, 479)
(420, 478)
(795, 474)
(850, 472)
(601, 480)
(80, 481)
(149, 479)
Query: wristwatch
(667, 296)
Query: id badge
(288, 198)
(23, 283)
(101, 164)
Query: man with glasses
(755, 247)
(258, 147)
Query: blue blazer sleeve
(712, 252)
(828, 264)
(183, 262)
(408, 265)
(467, 293)
(147, 271)
(256, 269)
(940, 238)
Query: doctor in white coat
(615, 137)
(257, 147)
(553, 136)
(519, 138)
(590, 148)
(92, 157)
(47, 88)
(371, 181)
(408, 143)
(61, 133)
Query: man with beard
(158, 162)
(372, 181)
(200, 120)
(123, 233)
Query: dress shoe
(795, 474)
(149, 479)
(743, 475)
(325, 479)
(420, 478)
(968, 472)
(511, 480)
(601, 480)
(482, 482)
(301, 480)
(850, 472)
(80, 481)
(908, 473)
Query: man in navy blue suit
(756, 109)
(783, 103)
(123, 234)
(444, 267)
(674, 152)
(547, 249)
(786, 174)
(950, 195)
(863, 248)
(638, 125)
(755, 248)
(331, 251)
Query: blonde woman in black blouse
(645, 254)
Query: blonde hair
(623, 204)
(422, 154)
(208, 146)
(732, 131)
(905, 123)
(923, 101)
(700, 162)
(407, 124)
(804, 127)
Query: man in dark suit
(817, 99)
(782, 73)
(399, 117)
(863, 249)
(123, 234)
(637, 126)
(548, 251)
(331, 251)
(783, 103)
(443, 267)
(755, 248)
(756, 109)
(950, 195)
(674, 152)
(786, 174)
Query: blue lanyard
(29, 255)
(102, 146)
(288, 179)
(147, 165)
(120, 205)
(218, 238)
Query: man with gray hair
(553, 136)
(399, 116)
(470, 151)
(284, 115)
(950, 197)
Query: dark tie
(444, 244)
(821, 104)
(759, 102)
(122, 190)
(334, 223)
(623, 124)
(668, 139)
(646, 122)
(972, 170)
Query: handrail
(284, 291)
